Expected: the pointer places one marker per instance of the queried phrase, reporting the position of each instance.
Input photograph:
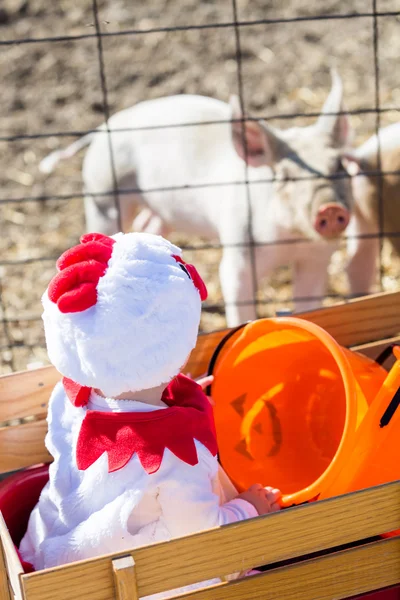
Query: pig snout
(331, 220)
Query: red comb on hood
(74, 288)
(193, 274)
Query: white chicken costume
(122, 315)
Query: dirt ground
(50, 87)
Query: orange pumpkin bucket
(375, 457)
(289, 401)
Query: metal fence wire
(21, 340)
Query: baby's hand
(204, 381)
(264, 499)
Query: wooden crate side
(27, 393)
(373, 349)
(5, 592)
(124, 571)
(355, 322)
(337, 576)
(359, 321)
(200, 357)
(294, 532)
(23, 446)
(13, 564)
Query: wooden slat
(200, 357)
(23, 446)
(360, 321)
(373, 349)
(125, 578)
(337, 576)
(13, 563)
(27, 393)
(4, 588)
(354, 322)
(229, 549)
(14, 456)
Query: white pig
(191, 178)
(368, 187)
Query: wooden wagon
(324, 550)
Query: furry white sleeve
(189, 504)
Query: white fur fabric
(142, 328)
(129, 507)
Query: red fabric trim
(97, 237)
(122, 435)
(91, 250)
(77, 394)
(74, 288)
(198, 282)
(194, 276)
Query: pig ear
(337, 127)
(263, 145)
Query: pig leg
(311, 276)
(237, 285)
(149, 222)
(102, 215)
(362, 267)
(142, 220)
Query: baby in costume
(133, 440)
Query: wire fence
(29, 334)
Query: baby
(133, 440)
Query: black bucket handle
(395, 401)
(217, 351)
